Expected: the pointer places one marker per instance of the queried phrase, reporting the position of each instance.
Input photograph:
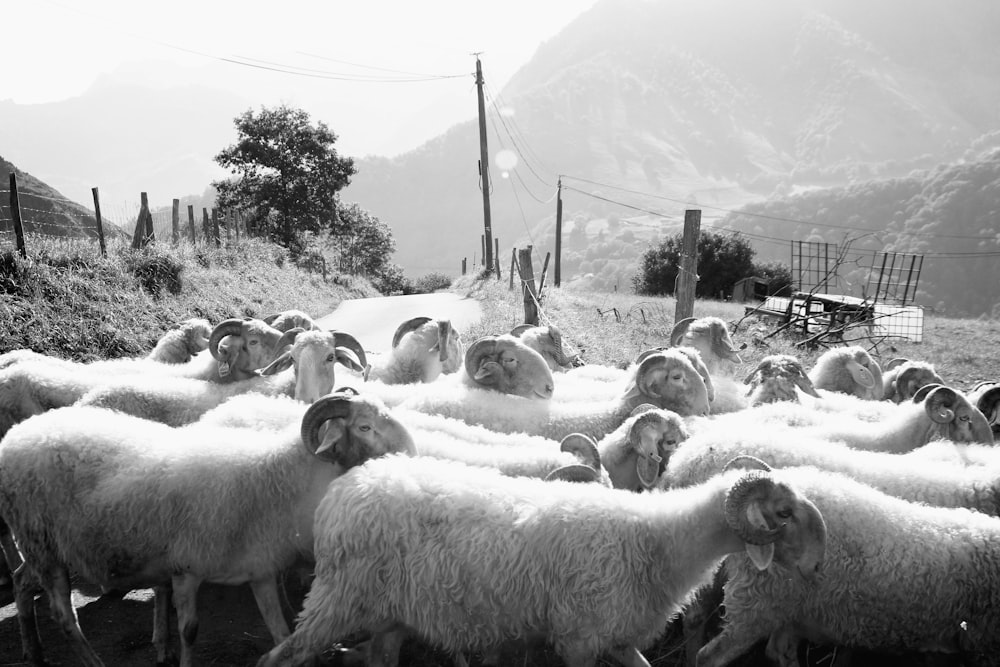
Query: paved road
(374, 321)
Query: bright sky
(350, 56)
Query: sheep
(468, 558)
(665, 379)
(548, 342)
(422, 349)
(182, 342)
(986, 397)
(236, 349)
(306, 371)
(776, 378)
(903, 378)
(898, 576)
(710, 336)
(291, 319)
(636, 453)
(848, 370)
(129, 503)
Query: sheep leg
(186, 602)
(61, 606)
(629, 657)
(265, 592)
(161, 626)
(384, 646)
(728, 645)
(25, 588)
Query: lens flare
(505, 159)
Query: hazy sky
(385, 74)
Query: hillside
(43, 209)
(700, 105)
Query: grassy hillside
(67, 301)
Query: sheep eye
(254, 342)
(330, 358)
(965, 418)
(364, 428)
(784, 513)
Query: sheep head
(548, 342)
(196, 333)
(986, 397)
(651, 436)
(585, 449)
(956, 419)
(905, 377)
(314, 355)
(776, 524)
(709, 335)
(347, 429)
(668, 380)
(848, 370)
(775, 379)
(291, 319)
(505, 364)
(243, 346)
(437, 339)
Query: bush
(392, 281)
(778, 277)
(431, 282)
(723, 259)
(154, 269)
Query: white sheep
(986, 397)
(666, 379)
(777, 377)
(903, 378)
(292, 319)
(848, 370)
(636, 453)
(710, 336)
(898, 576)
(182, 342)
(468, 558)
(422, 349)
(548, 342)
(305, 371)
(127, 503)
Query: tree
(287, 171)
(365, 242)
(722, 260)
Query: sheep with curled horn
(710, 336)
(986, 397)
(548, 341)
(776, 378)
(292, 319)
(305, 371)
(506, 365)
(422, 350)
(848, 370)
(903, 377)
(177, 506)
(666, 379)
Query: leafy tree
(365, 242)
(778, 276)
(288, 174)
(722, 260)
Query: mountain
(43, 209)
(664, 106)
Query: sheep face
(243, 346)
(651, 437)
(710, 336)
(908, 378)
(668, 380)
(505, 364)
(776, 378)
(955, 418)
(434, 343)
(196, 333)
(314, 355)
(353, 429)
(849, 370)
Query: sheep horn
(331, 406)
(574, 472)
(940, 403)
(231, 327)
(271, 318)
(898, 361)
(556, 337)
(762, 367)
(905, 381)
(642, 407)
(519, 330)
(803, 382)
(477, 353)
(582, 447)
(722, 345)
(982, 383)
(989, 404)
(920, 394)
(649, 463)
(739, 461)
(406, 327)
(642, 356)
(738, 498)
(344, 339)
(861, 375)
(680, 328)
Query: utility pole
(484, 169)
(558, 276)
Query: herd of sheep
(483, 495)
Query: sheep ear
(282, 362)
(760, 554)
(349, 359)
(332, 432)
(861, 375)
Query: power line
(503, 121)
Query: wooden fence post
(143, 234)
(528, 286)
(205, 234)
(513, 263)
(237, 218)
(687, 272)
(496, 256)
(463, 265)
(15, 214)
(227, 223)
(215, 227)
(541, 281)
(175, 222)
(191, 223)
(100, 224)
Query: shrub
(431, 282)
(723, 259)
(154, 269)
